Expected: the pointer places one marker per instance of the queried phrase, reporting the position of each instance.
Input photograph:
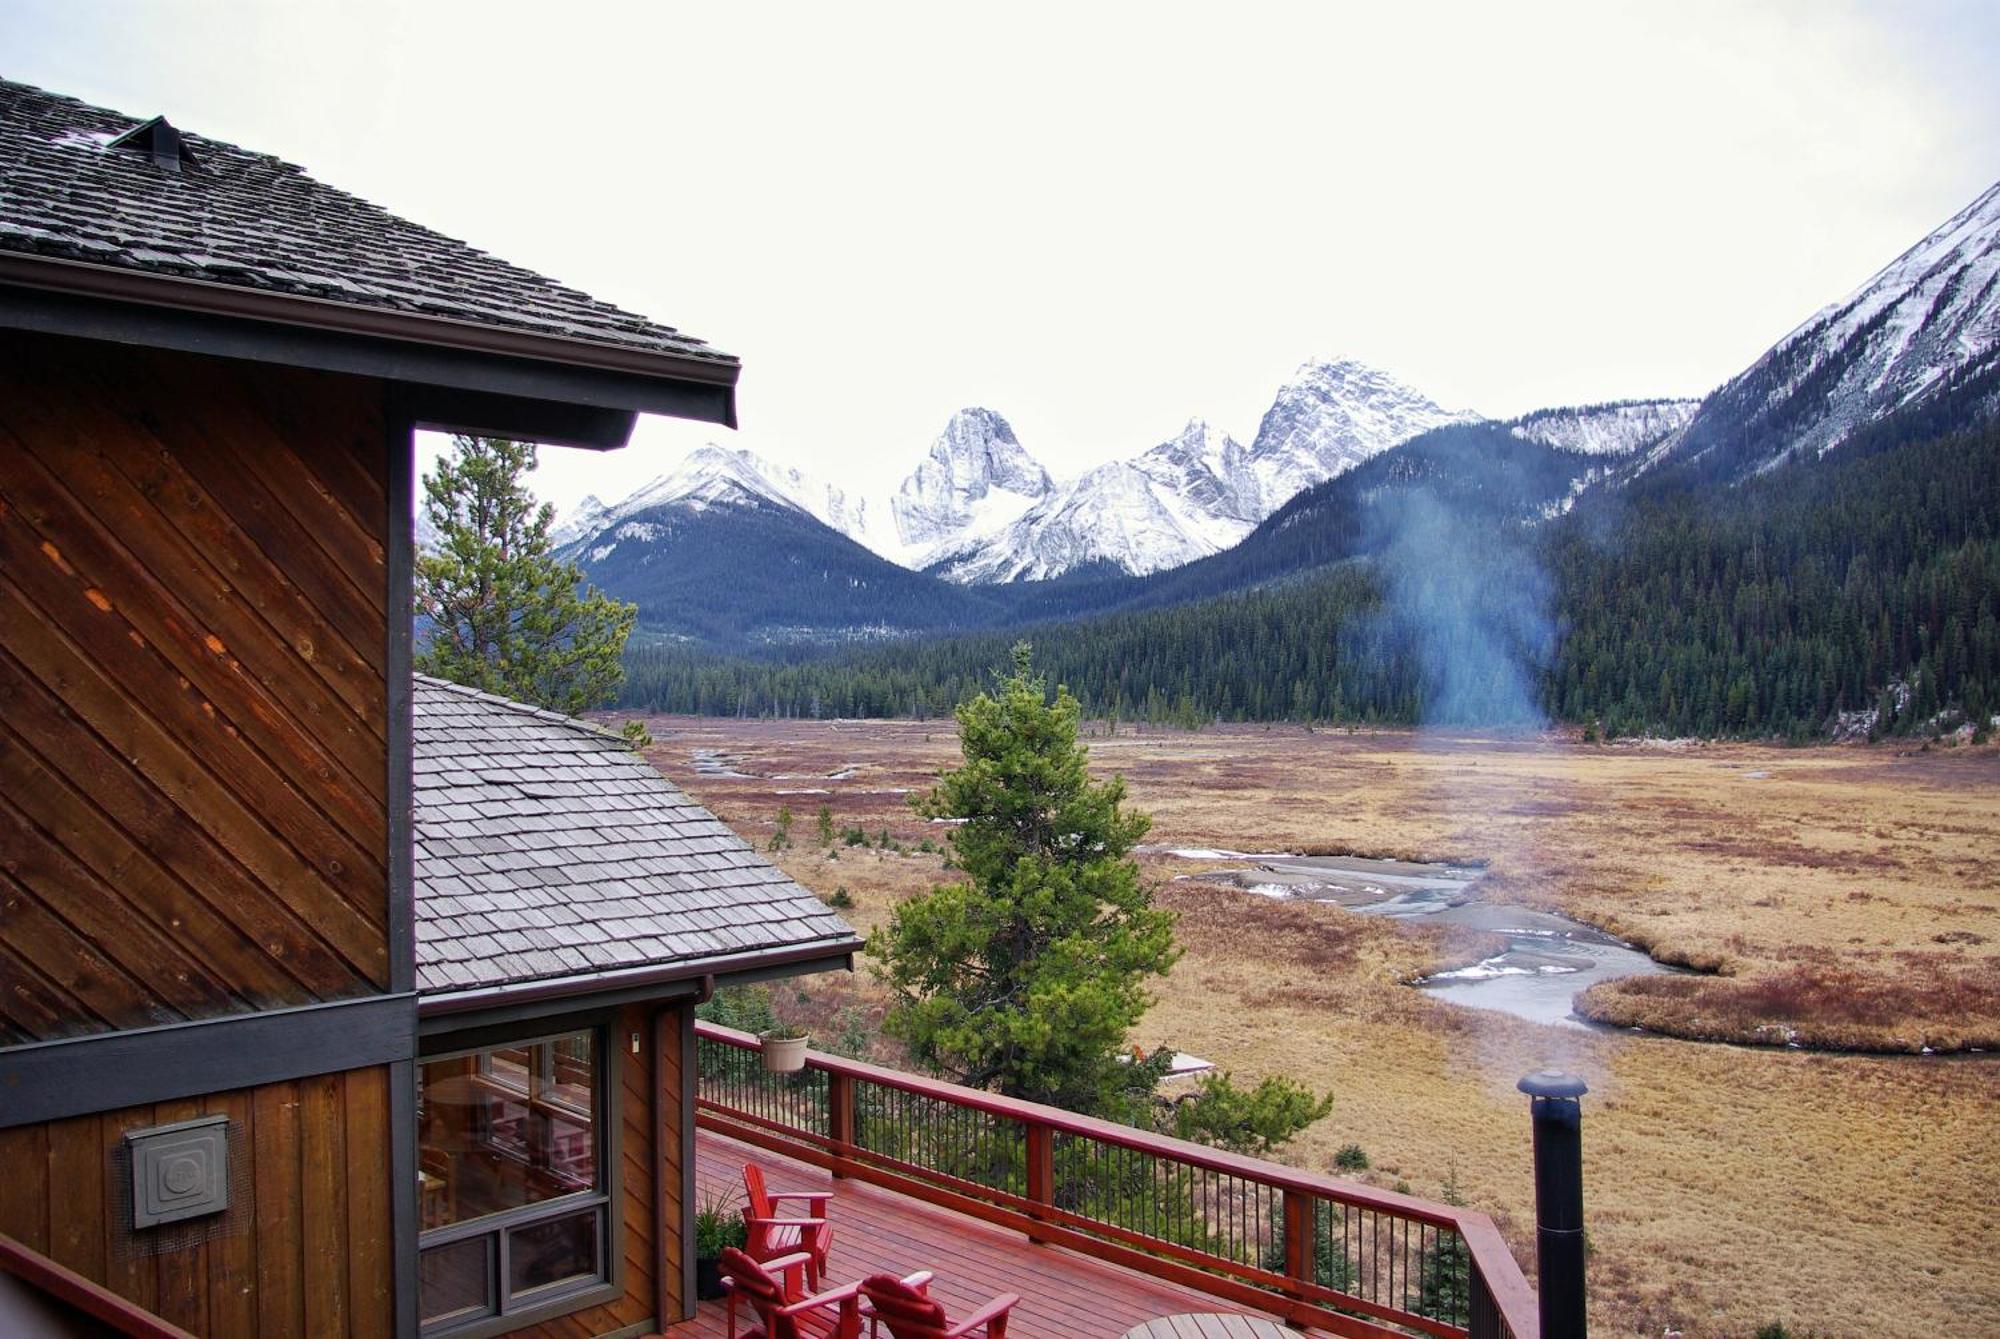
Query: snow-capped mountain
(709, 477)
(1211, 470)
(1617, 429)
(852, 515)
(1329, 418)
(1177, 502)
(975, 480)
(979, 508)
(1183, 499)
(585, 519)
(1928, 324)
(1202, 491)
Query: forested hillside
(1868, 577)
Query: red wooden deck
(1064, 1295)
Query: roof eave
(131, 306)
(623, 984)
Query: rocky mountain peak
(976, 478)
(1332, 415)
(979, 451)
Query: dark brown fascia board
(203, 296)
(103, 1071)
(641, 982)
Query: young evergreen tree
(1255, 1121)
(1027, 975)
(503, 614)
(1444, 1273)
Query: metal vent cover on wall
(179, 1185)
(179, 1171)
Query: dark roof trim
(644, 982)
(131, 306)
(483, 414)
(102, 1071)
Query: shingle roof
(546, 848)
(249, 220)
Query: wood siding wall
(193, 740)
(308, 1253)
(644, 1174)
(675, 1088)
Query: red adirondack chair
(774, 1290)
(772, 1235)
(783, 1308)
(910, 1313)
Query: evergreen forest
(1672, 605)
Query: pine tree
(502, 613)
(1444, 1273)
(1027, 975)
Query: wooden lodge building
(332, 1000)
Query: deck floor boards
(1064, 1294)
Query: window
(514, 1182)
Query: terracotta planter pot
(784, 1055)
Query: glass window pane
(506, 1128)
(456, 1281)
(560, 1250)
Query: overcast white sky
(1103, 219)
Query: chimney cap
(1552, 1083)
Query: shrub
(841, 898)
(825, 826)
(852, 1035)
(1351, 1158)
(717, 1224)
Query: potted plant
(784, 1048)
(717, 1224)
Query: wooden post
(1041, 1170)
(1298, 1237)
(840, 1119)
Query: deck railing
(87, 1306)
(1330, 1254)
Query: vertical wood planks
(275, 1152)
(370, 1245)
(24, 1186)
(232, 1259)
(79, 1194)
(323, 1203)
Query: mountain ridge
(1924, 324)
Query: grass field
(1850, 894)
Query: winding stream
(1548, 959)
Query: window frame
(605, 1199)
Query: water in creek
(1548, 958)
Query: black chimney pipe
(1558, 1118)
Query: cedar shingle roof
(249, 220)
(545, 848)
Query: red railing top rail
(1111, 1132)
(1496, 1263)
(93, 1299)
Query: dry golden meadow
(1852, 894)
